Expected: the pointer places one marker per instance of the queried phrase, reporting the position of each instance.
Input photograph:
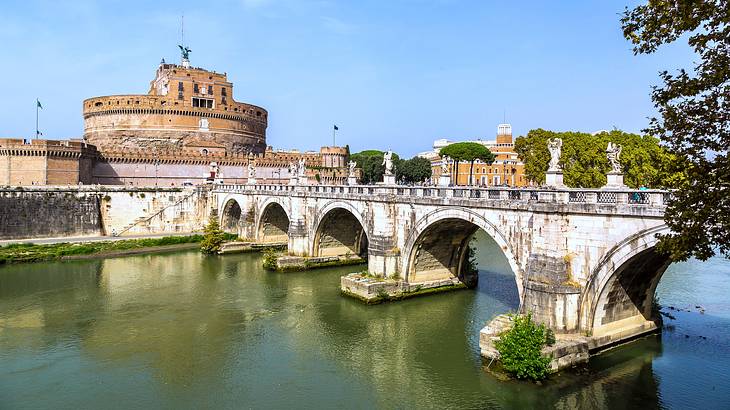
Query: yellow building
(507, 169)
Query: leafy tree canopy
(371, 163)
(413, 170)
(468, 152)
(584, 161)
(694, 121)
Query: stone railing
(653, 198)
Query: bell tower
(504, 134)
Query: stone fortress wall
(49, 212)
(45, 162)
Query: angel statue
(388, 162)
(613, 152)
(554, 145)
(293, 169)
(445, 165)
(251, 170)
(351, 165)
(185, 51)
(302, 167)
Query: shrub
(270, 257)
(520, 349)
(213, 236)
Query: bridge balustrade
(567, 195)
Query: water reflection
(187, 331)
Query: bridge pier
(383, 256)
(298, 238)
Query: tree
(213, 236)
(520, 349)
(371, 163)
(468, 152)
(645, 162)
(413, 170)
(694, 118)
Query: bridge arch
(272, 222)
(231, 216)
(620, 291)
(436, 252)
(339, 229)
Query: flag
(336, 129)
(39, 104)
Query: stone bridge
(583, 260)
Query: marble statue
(554, 146)
(302, 168)
(251, 170)
(613, 152)
(388, 162)
(351, 165)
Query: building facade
(185, 107)
(507, 169)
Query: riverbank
(25, 252)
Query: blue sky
(391, 74)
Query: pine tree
(213, 235)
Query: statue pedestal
(293, 180)
(615, 181)
(388, 179)
(444, 180)
(303, 180)
(251, 181)
(351, 181)
(554, 179)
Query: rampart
(47, 212)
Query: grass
(25, 252)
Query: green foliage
(468, 152)
(694, 124)
(520, 349)
(19, 253)
(413, 170)
(371, 163)
(213, 236)
(583, 157)
(270, 257)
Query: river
(186, 331)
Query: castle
(187, 129)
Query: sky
(392, 74)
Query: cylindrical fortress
(185, 107)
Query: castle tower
(504, 134)
(184, 108)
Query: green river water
(186, 331)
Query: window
(179, 86)
(195, 88)
(202, 102)
(210, 90)
(223, 91)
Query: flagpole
(36, 118)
